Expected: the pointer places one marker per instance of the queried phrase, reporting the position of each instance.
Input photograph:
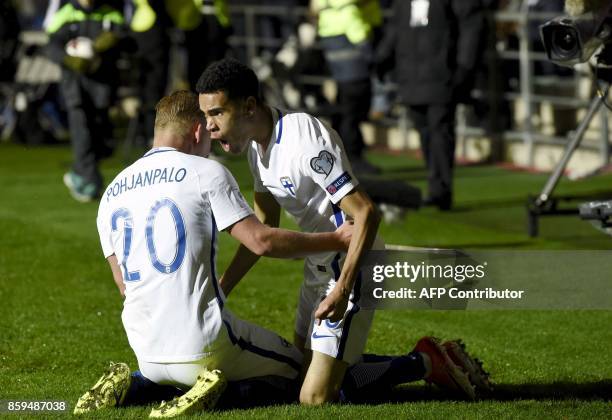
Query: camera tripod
(544, 204)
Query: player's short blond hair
(178, 112)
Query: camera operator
(83, 39)
(435, 44)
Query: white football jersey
(307, 171)
(161, 217)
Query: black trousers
(205, 44)
(90, 129)
(153, 57)
(436, 126)
(353, 106)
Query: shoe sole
(473, 367)
(460, 379)
(109, 391)
(203, 396)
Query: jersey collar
(159, 150)
(276, 136)
(278, 125)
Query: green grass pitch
(60, 311)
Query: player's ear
(250, 105)
(197, 129)
(201, 143)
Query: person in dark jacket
(434, 45)
(9, 37)
(347, 32)
(83, 39)
(205, 26)
(149, 26)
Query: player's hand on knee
(333, 306)
(345, 233)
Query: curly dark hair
(228, 75)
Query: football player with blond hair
(158, 221)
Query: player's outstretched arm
(366, 219)
(267, 211)
(117, 275)
(267, 241)
(260, 239)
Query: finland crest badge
(288, 185)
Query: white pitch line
(394, 247)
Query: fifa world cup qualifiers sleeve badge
(323, 163)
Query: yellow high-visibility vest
(187, 14)
(353, 18)
(144, 16)
(184, 13)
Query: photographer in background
(84, 39)
(434, 46)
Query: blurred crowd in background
(90, 72)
